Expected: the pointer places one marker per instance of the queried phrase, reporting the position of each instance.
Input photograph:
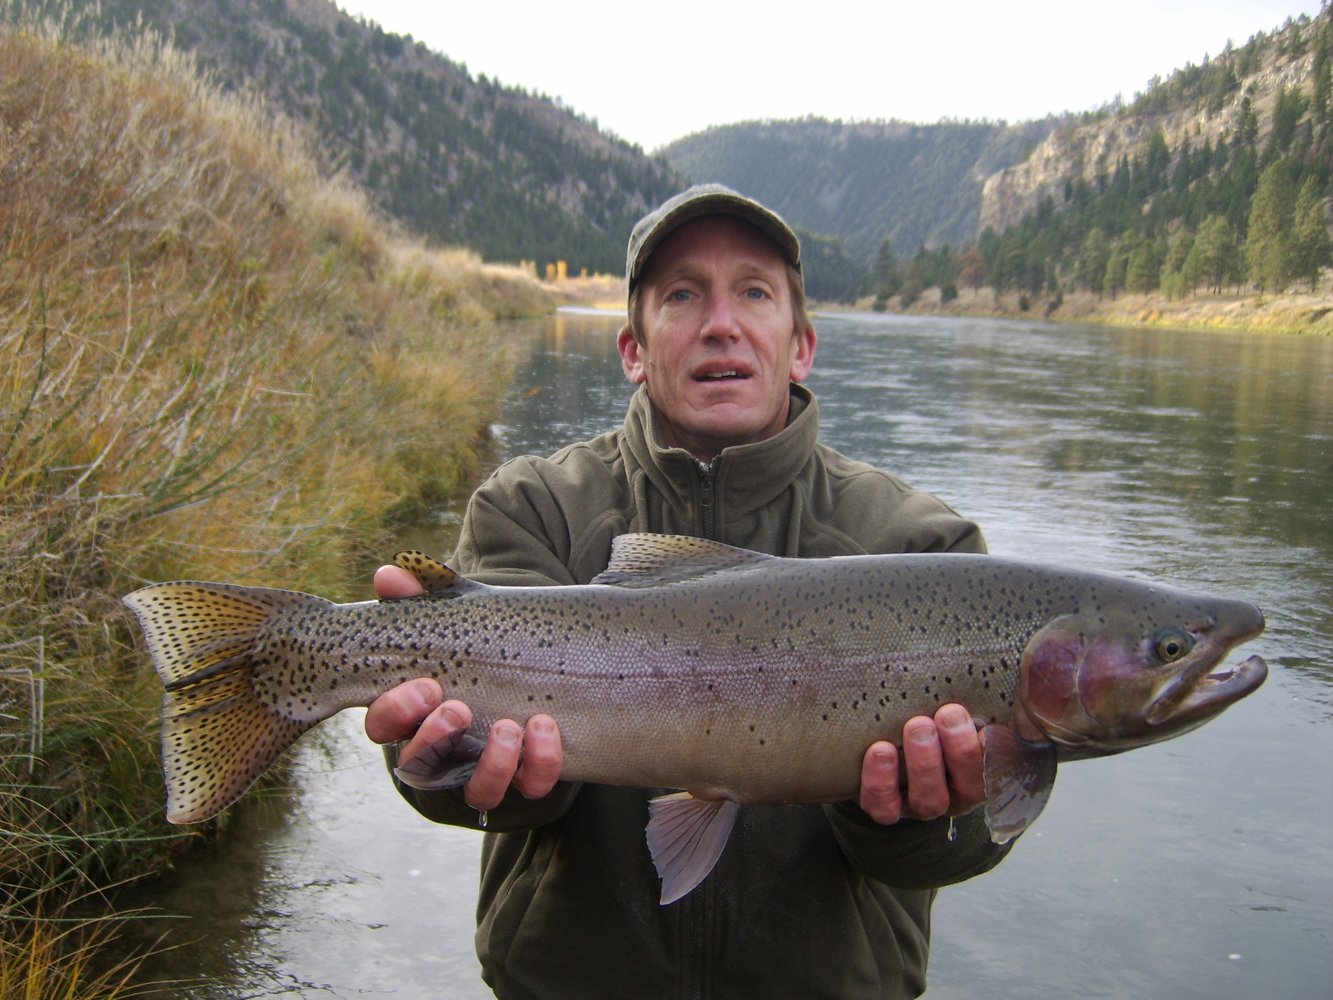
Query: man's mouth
(720, 376)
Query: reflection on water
(1199, 867)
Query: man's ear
(803, 361)
(633, 357)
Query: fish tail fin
(218, 735)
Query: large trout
(737, 677)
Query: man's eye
(756, 293)
(679, 295)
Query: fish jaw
(1193, 705)
(1096, 685)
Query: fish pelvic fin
(1019, 778)
(685, 838)
(217, 735)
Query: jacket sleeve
(514, 813)
(504, 542)
(915, 855)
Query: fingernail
(922, 734)
(508, 735)
(955, 720)
(452, 719)
(543, 726)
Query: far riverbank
(1301, 312)
(1292, 311)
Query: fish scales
(743, 679)
(739, 677)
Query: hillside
(514, 176)
(915, 185)
(219, 364)
(460, 160)
(1214, 103)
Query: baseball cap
(695, 203)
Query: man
(720, 441)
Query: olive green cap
(695, 203)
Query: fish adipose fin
(217, 735)
(1019, 778)
(437, 578)
(686, 837)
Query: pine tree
(1173, 280)
(1213, 257)
(1141, 268)
(1313, 244)
(1114, 279)
(1092, 260)
(887, 274)
(1269, 243)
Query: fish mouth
(1200, 698)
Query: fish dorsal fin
(438, 579)
(640, 559)
(686, 837)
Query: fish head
(1134, 667)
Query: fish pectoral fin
(446, 764)
(686, 837)
(1019, 778)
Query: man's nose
(720, 318)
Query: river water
(1202, 867)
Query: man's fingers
(497, 766)
(438, 731)
(927, 783)
(961, 745)
(881, 798)
(394, 582)
(543, 756)
(396, 714)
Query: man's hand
(943, 767)
(529, 758)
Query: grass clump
(214, 363)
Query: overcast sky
(656, 71)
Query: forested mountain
(915, 185)
(1116, 198)
(1230, 159)
(1219, 175)
(461, 161)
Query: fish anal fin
(685, 838)
(437, 578)
(1019, 778)
(642, 559)
(446, 764)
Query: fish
(726, 677)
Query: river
(1201, 867)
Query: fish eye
(1171, 644)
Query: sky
(657, 71)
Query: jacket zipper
(707, 507)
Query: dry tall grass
(213, 364)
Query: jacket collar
(745, 477)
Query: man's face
(719, 344)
